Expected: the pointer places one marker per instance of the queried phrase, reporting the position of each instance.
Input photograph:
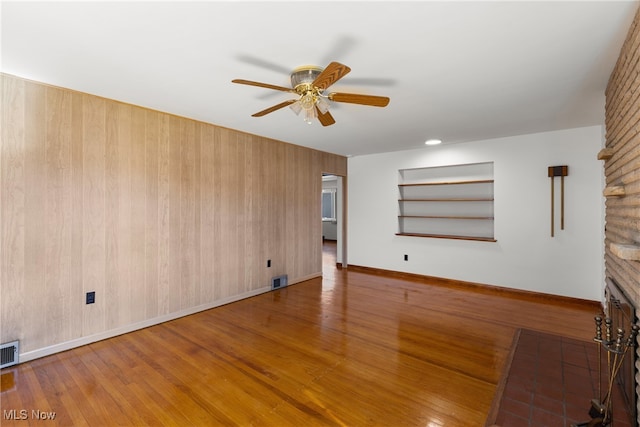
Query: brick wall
(622, 168)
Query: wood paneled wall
(157, 214)
(623, 167)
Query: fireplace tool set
(601, 411)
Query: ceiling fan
(309, 83)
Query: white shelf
(451, 202)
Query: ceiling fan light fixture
(322, 104)
(308, 101)
(304, 75)
(310, 115)
(296, 107)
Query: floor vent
(279, 282)
(9, 354)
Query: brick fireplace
(621, 157)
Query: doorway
(333, 214)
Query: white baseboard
(305, 278)
(78, 342)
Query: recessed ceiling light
(433, 142)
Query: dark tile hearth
(550, 383)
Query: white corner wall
(525, 255)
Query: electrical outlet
(91, 297)
(406, 257)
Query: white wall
(525, 255)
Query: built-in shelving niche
(452, 202)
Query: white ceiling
(459, 71)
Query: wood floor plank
(348, 349)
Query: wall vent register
(279, 282)
(452, 202)
(9, 354)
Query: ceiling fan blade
(265, 85)
(353, 98)
(274, 108)
(334, 72)
(326, 119)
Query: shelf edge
(444, 236)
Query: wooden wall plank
(113, 268)
(151, 273)
(57, 237)
(118, 199)
(164, 245)
(137, 213)
(244, 206)
(93, 247)
(175, 280)
(74, 299)
(219, 251)
(207, 213)
(187, 214)
(12, 210)
(277, 202)
(197, 217)
(232, 215)
(35, 212)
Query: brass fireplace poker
(601, 411)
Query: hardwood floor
(350, 349)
